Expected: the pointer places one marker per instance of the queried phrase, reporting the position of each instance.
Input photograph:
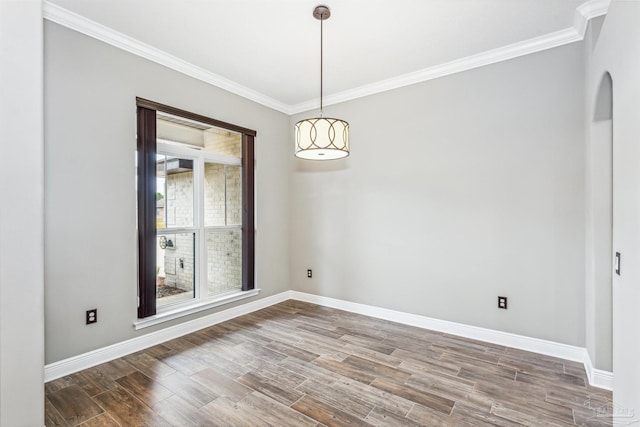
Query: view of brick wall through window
(221, 141)
(222, 217)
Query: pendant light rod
(321, 64)
(321, 13)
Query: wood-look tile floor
(299, 364)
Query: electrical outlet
(92, 316)
(502, 302)
(309, 273)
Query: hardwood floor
(298, 364)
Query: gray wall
(21, 211)
(616, 52)
(458, 190)
(90, 202)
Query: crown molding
(79, 23)
(593, 8)
(583, 14)
(515, 50)
(587, 11)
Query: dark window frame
(146, 147)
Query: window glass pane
(224, 261)
(196, 135)
(223, 142)
(175, 267)
(234, 195)
(223, 195)
(174, 197)
(214, 194)
(178, 131)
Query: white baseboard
(87, 360)
(597, 378)
(601, 379)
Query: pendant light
(322, 138)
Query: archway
(602, 205)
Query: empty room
(303, 213)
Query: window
(195, 209)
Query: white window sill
(193, 308)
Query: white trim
(77, 363)
(81, 24)
(597, 378)
(182, 311)
(583, 14)
(601, 379)
(586, 11)
(593, 8)
(493, 56)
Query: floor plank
(187, 388)
(383, 418)
(144, 388)
(221, 385)
(431, 400)
(94, 381)
(186, 362)
(376, 397)
(51, 415)
(290, 350)
(337, 397)
(273, 412)
(428, 416)
(102, 420)
(344, 369)
(128, 411)
(273, 389)
(149, 365)
(74, 404)
(326, 414)
(180, 412)
(224, 412)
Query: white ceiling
(270, 49)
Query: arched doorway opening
(602, 206)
